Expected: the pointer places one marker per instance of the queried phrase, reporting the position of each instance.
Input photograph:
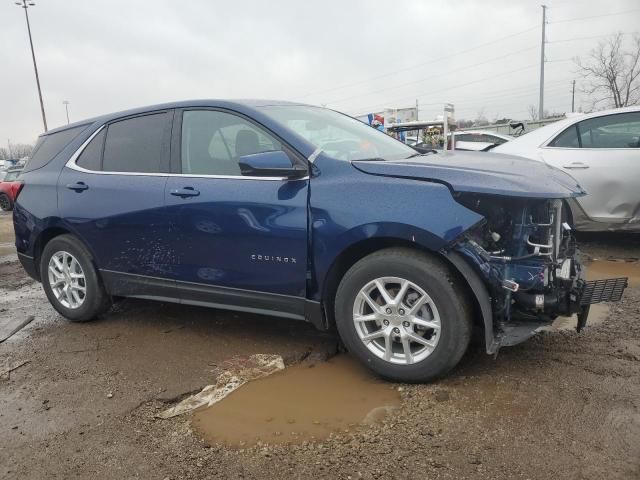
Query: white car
(477, 140)
(602, 152)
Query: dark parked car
(10, 186)
(302, 212)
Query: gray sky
(355, 56)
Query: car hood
(481, 172)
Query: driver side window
(213, 142)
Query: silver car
(602, 152)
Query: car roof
(237, 104)
(539, 136)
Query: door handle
(185, 192)
(576, 165)
(78, 186)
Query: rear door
(603, 154)
(112, 196)
(241, 240)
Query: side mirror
(270, 164)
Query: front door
(240, 240)
(603, 155)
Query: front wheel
(404, 314)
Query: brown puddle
(304, 402)
(597, 315)
(610, 269)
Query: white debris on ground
(240, 371)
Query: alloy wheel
(396, 320)
(67, 280)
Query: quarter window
(91, 156)
(567, 139)
(136, 144)
(49, 146)
(213, 142)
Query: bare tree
(612, 72)
(18, 150)
(481, 119)
(533, 112)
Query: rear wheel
(5, 202)
(404, 314)
(71, 281)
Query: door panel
(235, 232)
(122, 218)
(603, 155)
(606, 176)
(112, 195)
(241, 233)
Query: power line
(589, 38)
(428, 62)
(464, 108)
(552, 87)
(595, 16)
(449, 88)
(448, 72)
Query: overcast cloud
(105, 56)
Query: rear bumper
(29, 265)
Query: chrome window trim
(71, 163)
(314, 155)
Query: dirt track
(562, 405)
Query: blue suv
(302, 212)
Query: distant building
(390, 115)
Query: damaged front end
(526, 254)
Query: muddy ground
(84, 405)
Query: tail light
(16, 188)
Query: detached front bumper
(598, 291)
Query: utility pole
(541, 103)
(26, 4)
(573, 96)
(66, 107)
(417, 111)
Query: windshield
(339, 136)
(12, 175)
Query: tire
(88, 305)
(446, 308)
(5, 203)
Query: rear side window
(91, 156)
(48, 146)
(567, 139)
(137, 144)
(621, 130)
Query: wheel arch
(48, 234)
(476, 290)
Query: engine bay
(525, 250)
